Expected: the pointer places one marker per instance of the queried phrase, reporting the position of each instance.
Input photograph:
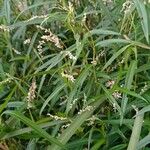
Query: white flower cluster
(110, 83)
(92, 120)
(22, 5)
(35, 17)
(50, 37)
(39, 47)
(116, 95)
(56, 117)
(31, 94)
(84, 18)
(88, 108)
(68, 53)
(126, 7)
(16, 51)
(69, 77)
(122, 61)
(27, 41)
(8, 80)
(98, 57)
(73, 103)
(94, 62)
(65, 126)
(146, 2)
(70, 6)
(109, 3)
(102, 53)
(144, 89)
(4, 28)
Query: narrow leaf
(144, 18)
(135, 132)
(56, 91)
(115, 56)
(35, 127)
(128, 84)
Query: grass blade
(35, 127)
(144, 18)
(142, 143)
(144, 110)
(135, 132)
(4, 105)
(56, 91)
(78, 121)
(112, 41)
(29, 129)
(128, 84)
(114, 57)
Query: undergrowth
(74, 74)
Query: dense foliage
(74, 74)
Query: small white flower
(116, 95)
(31, 94)
(94, 62)
(126, 7)
(8, 80)
(4, 28)
(114, 107)
(88, 108)
(35, 17)
(69, 77)
(50, 37)
(27, 41)
(65, 126)
(107, 2)
(84, 18)
(16, 51)
(70, 6)
(110, 83)
(68, 53)
(144, 89)
(56, 117)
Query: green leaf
(132, 93)
(4, 105)
(136, 130)
(55, 92)
(128, 84)
(98, 144)
(38, 20)
(119, 147)
(77, 86)
(29, 51)
(51, 63)
(35, 127)
(111, 99)
(112, 41)
(143, 142)
(101, 32)
(34, 6)
(7, 10)
(77, 122)
(143, 16)
(109, 62)
(144, 110)
(29, 129)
